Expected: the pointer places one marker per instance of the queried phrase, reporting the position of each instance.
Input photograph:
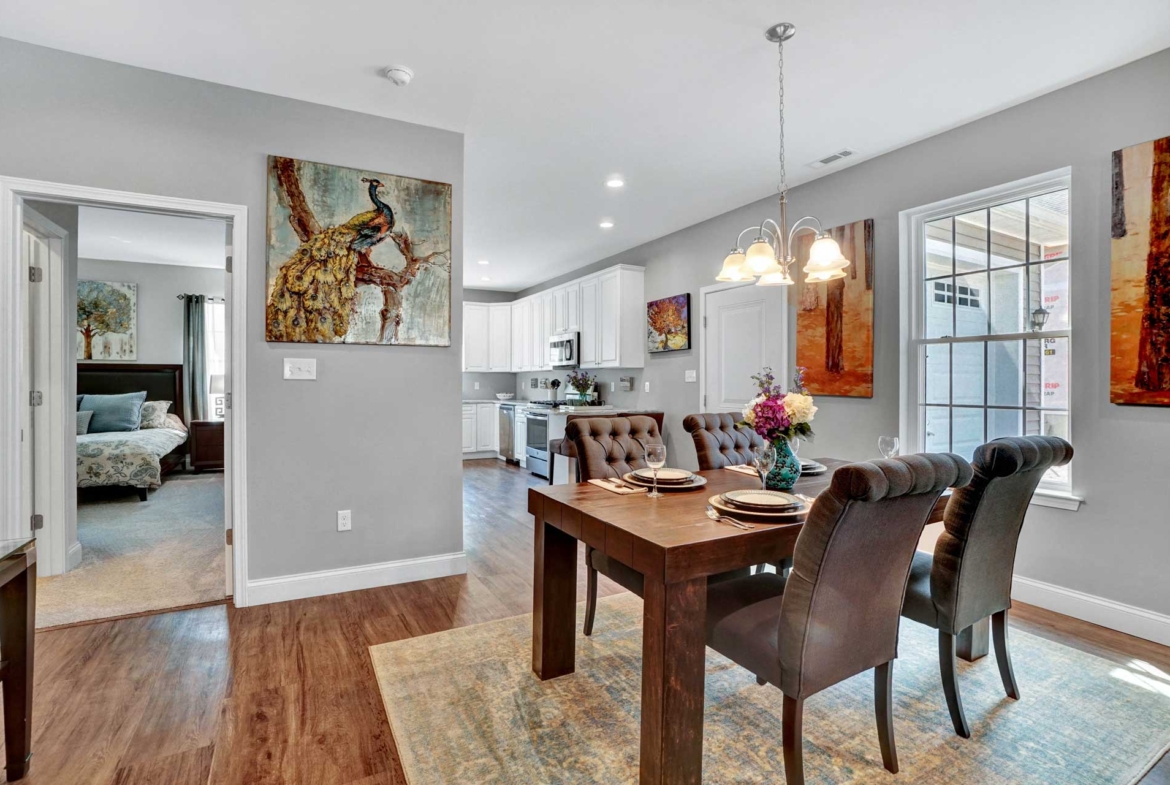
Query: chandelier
(769, 257)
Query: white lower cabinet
(520, 440)
(469, 429)
(481, 427)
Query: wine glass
(655, 459)
(764, 458)
(888, 446)
(794, 445)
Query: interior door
(744, 329)
(228, 418)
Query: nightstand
(206, 444)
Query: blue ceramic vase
(787, 469)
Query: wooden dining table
(672, 542)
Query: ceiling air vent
(832, 159)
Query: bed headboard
(161, 382)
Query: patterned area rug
(465, 708)
(137, 556)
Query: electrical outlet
(612, 386)
(477, 385)
(300, 369)
(344, 520)
(691, 376)
(646, 386)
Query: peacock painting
(357, 257)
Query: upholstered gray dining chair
(837, 613)
(719, 441)
(969, 577)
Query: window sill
(1058, 499)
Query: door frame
(13, 192)
(710, 289)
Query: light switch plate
(691, 376)
(477, 385)
(300, 369)
(646, 386)
(612, 386)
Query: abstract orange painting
(1140, 340)
(834, 320)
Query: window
(982, 273)
(214, 335)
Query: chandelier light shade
(733, 267)
(770, 254)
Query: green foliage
(102, 309)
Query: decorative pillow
(154, 414)
(83, 419)
(114, 413)
(174, 423)
(79, 402)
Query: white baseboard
(73, 556)
(367, 576)
(475, 456)
(1129, 619)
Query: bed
(136, 459)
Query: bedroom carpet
(137, 556)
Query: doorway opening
(129, 363)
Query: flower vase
(787, 469)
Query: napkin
(748, 470)
(615, 489)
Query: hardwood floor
(285, 693)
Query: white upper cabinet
(566, 307)
(475, 337)
(538, 336)
(522, 335)
(613, 318)
(500, 337)
(549, 308)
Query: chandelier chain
(783, 187)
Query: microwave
(562, 350)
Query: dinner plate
(696, 481)
(758, 500)
(812, 468)
(793, 516)
(665, 475)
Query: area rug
(138, 556)
(465, 708)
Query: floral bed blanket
(125, 458)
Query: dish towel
(615, 489)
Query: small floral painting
(107, 321)
(668, 324)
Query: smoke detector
(399, 75)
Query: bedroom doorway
(141, 519)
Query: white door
(745, 328)
(590, 313)
(560, 310)
(500, 337)
(475, 337)
(469, 429)
(228, 421)
(487, 427)
(609, 303)
(573, 306)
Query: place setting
(761, 505)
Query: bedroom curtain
(194, 358)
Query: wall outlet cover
(612, 386)
(300, 369)
(646, 386)
(477, 385)
(344, 520)
(691, 376)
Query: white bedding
(125, 457)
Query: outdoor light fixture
(1039, 318)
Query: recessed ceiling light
(399, 74)
(484, 278)
(483, 261)
(606, 223)
(615, 181)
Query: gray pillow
(114, 413)
(83, 419)
(154, 414)
(79, 402)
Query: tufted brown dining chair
(837, 613)
(969, 576)
(719, 442)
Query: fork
(715, 516)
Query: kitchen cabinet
(487, 427)
(522, 335)
(475, 337)
(500, 337)
(566, 306)
(520, 431)
(549, 309)
(613, 318)
(469, 428)
(539, 345)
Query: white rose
(799, 407)
(749, 412)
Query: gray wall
(487, 296)
(357, 437)
(160, 314)
(1116, 545)
(489, 385)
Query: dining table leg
(554, 602)
(18, 604)
(975, 641)
(673, 657)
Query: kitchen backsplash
(489, 385)
(635, 398)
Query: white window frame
(912, 382)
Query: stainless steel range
(537, 436)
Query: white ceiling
(678, 96)
(131, 236)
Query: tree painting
(668, 324)
(106, 316)
(357, 257)
(1140, 317)
(834, 320)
